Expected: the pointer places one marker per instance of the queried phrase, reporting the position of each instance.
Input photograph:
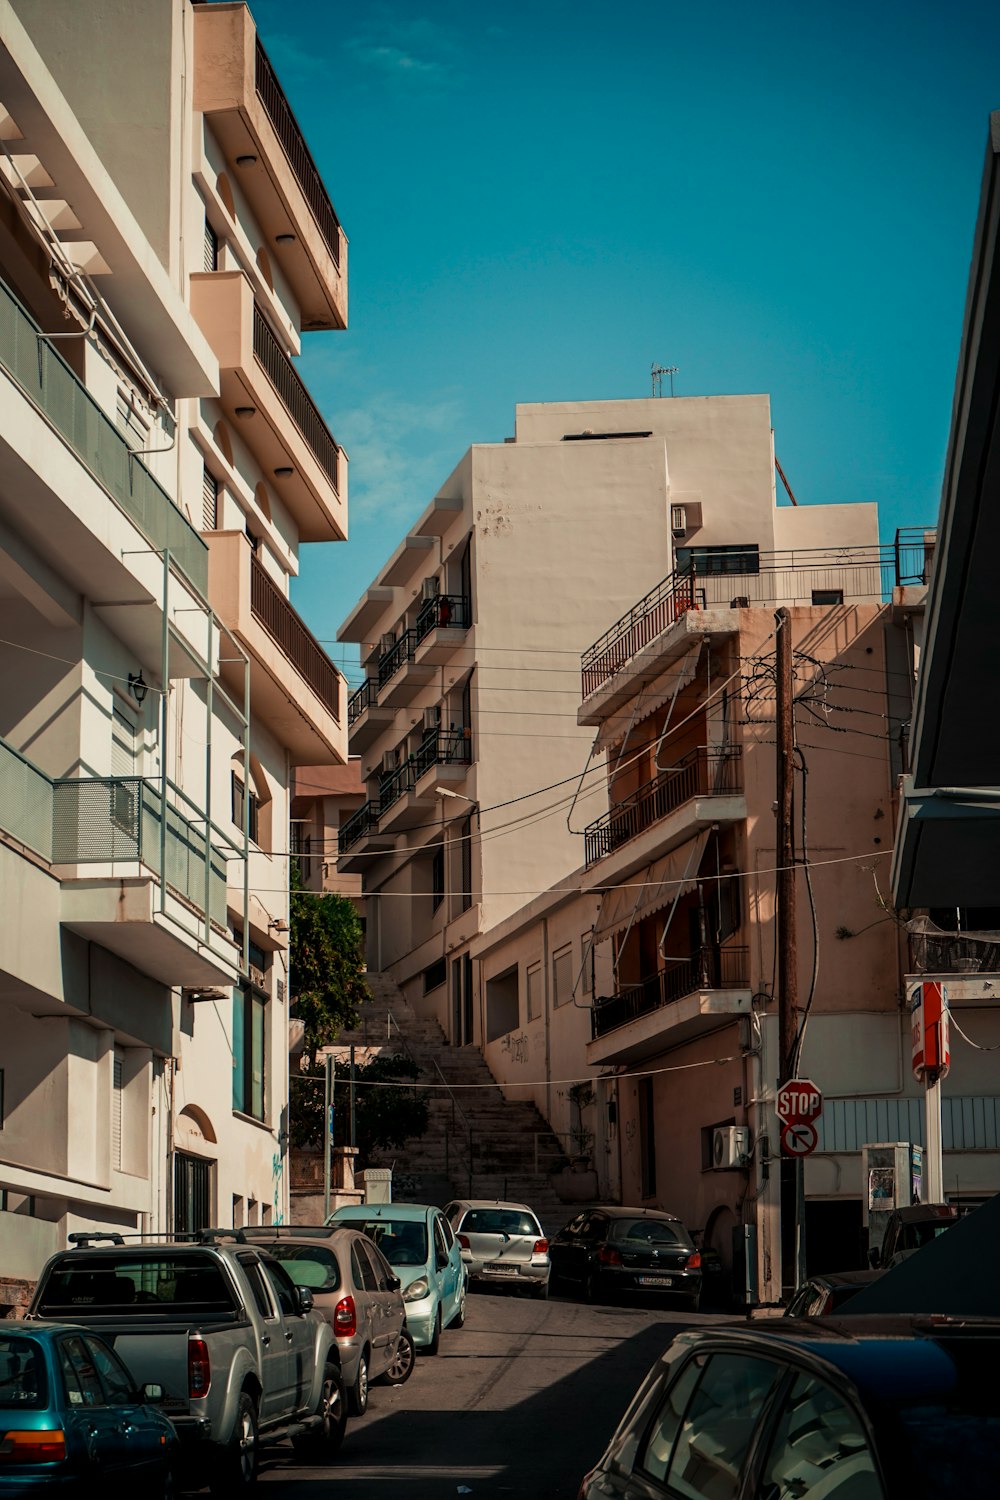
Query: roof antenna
(657, 372)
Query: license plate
(498, 1270)
(655, 1280)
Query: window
(711, 1446)
(466, 847)
(209, 500)
(22, 1364)
(124, 787)
(362, 1270)
(119, 1387)
(83, 1384)
(820, 1447)
(192, 1193)
(282, 1288)
(534, 979)
(647, 1139)
(562, 975)
(435, 975)
(437, 877)
(249, 1050)
(502, 1004)
(828, 596)
(254, 1276)
(667, 1424)
(239, 793)
(211, 252)
(706, 561)
(117, 1066)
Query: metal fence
(286, 127)
(702, 772)
(365, 820)
(283, 624)
(366, 696)
(391, 661)
(707, 969)
(51, 385)
(296, 399)
(444, 610)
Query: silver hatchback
(358, 1293)
(501, 1243)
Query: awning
(651, 888)
(650, 696)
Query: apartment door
(192, 1193)
(461, 1001)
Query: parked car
(501, 1243)
(238, 1349)
(908, 1229)
(607, 1250)
(71, 1416)
(823, 1295)
(358, 1293)
(828, 1411)
(420, 1246)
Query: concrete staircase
(478, 1144)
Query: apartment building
(480, 779)
(165, 239)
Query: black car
(823, 1295)
(825, 1409)
(607, 1250)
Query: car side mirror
(152, 1391)
(393, 1283)
(305, 1299)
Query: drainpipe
(546, 993)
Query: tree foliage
(385, 1116)
(327, 979)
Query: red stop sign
(798, 1100)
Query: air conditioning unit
(430, 588)
(730, 1147)
(678, 520)
(388, 762)
(387, 643)
(432, 719)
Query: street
(521, 1401)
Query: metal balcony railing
(296, 399)
(49, 383)
(953, 953)
(707, 969)
(442, 747)
(269, 605)
(756, 578)
(286, 127)
(395, 785)
(391, 661)
(366, 696)
(365, 820)
(104, 820)
(443, 610)
(703, 772)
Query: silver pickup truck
(240, 1353)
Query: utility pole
(327, 1130)
(792, 1174)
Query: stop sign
(798, 1100)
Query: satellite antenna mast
(657, 372)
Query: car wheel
(435, 1343)
(401, 1368)
(358, 1398)
(323, 1441)
(458, 1321)
(236, 1468)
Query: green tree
(327, 980)
(387, 1111)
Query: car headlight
(416, 1290)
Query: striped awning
(650, 888)
(648, 699)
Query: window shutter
(210, 500)
(211, 248)
(116, 1113)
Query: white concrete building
(164, 239)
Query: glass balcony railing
(48, 382)
(103, 820)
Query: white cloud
(401, 452)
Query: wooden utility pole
(785, 881)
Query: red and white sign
(931, 1041)
(798, 1138)
(798, 1101)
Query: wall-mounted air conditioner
(678, 520)
(430, 588)
(387, 643)
(730, 1147)
(388, 762)
(432, 719)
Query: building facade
(163, 463)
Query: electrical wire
(977, 1045)
(372, 1083)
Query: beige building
(163, 461)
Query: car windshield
(499, 1221)
(651, 1232)
(159, 1281)
(403, 1242)
(309, 1265)
(23, 1386)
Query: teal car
(420, 1246)
(71, 1418)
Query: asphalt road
(521, 1401)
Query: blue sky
(543, 199)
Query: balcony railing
(365, 697)
(365, 820)
(279, 112)
(297, 401)
(755, 578)
(391, 661)
(702, 773)
(447, 747)
(47, 380)
(103, 820)
(443, 610)
(269, 605)
(954, 953)
(708, 969)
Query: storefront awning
(651, 888)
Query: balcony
(408, 798)
(110, 521)
(265, 399)
(295, 689)
(441, 629)
(966, 962)
(702, 773)
(366, 721)
(360, 839)
(138, 876)
(236, 89)
(684, 1001)
(400, 676)
(703, 599)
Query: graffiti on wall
(515, 1046)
